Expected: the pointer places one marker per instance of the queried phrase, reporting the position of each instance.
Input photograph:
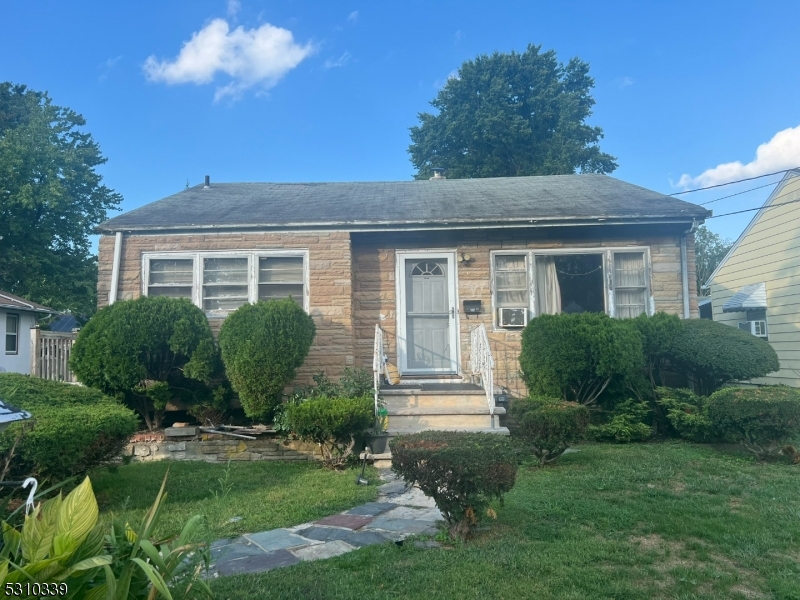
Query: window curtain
(548, 292)
(630, 285)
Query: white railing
(482, 363)
(50, 352)
(378, 363)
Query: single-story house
(17, 317)
(414, 270)
(756, 287)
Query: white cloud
(107, 65)
(353, 17)
(233, 8)
(440, 83)
(781, 152)
(251, 57)
(339, 62)
(623, 82)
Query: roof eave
(107, 228)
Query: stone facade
(352, 280)
(220, 449)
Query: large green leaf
(78, 513)
(37, 536)
(156, 579)
(11, 540)
(89, 563)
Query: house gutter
(112, 293)
(685, 270)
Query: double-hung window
(12, 334)
(529, 283)
(221, 282)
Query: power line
(732, 182)
(752, 209)
(737, 193)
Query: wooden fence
(50, 353)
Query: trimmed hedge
(715, 354)
(761, 419)
(333, 423)
(262, 346)
(549, 425)
(73, 428)
(687, 413)
(575, 356)
(146, 350)
(462, 472)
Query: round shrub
(575, 356)
(715, 354)
(333, 423)
(73, 428)
(462, 472)
(762, 419)
(659, 333)
(627, 424)
(548, 426)
(262, 346)
(145, 351)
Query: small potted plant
(378, 437)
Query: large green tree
(709, 249)
(51, 197)
(507, 115)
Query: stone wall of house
(330, 277)
(374, 281)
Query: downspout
(685, 270)
(112, 293)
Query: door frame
(401, 318)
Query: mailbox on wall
(472, 307)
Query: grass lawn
(666, 520)
(264, 494)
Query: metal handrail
(378, 364)
(482, 363)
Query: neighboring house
(756, 287)
(427, 261)
(17, 317)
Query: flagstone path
(398, 513)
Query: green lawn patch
(265, 494)
(667, 520)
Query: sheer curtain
(548, 292)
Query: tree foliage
(51, 198)
(709, 249)
(714, 354)
(508, 115)
(147, 350)
(262, 346)
(575, 356)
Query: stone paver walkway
(398, 513)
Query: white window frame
(607, 253)
(16, 335)
(252, 272)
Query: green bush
(627, 424)
(262, 346)
(687, 413)
(333, 423)
(761, 419)
(462, 472)
(714, 354)
(548, 426)
(576, 356)
(354, 383)
(73, 428)
(659, 333)
(146, 351)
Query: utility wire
(752, 209)
(732, 182)
(737, 193)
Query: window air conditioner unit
(756, 328)
(513, 317)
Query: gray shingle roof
(453, 202)
(9, 300)
(748, 297)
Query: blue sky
(326, 91)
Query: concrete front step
(396, 431)
(444, 410)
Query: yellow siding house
(756, 287)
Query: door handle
(452, 312)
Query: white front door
(427, 329)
